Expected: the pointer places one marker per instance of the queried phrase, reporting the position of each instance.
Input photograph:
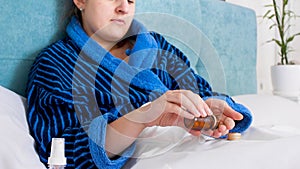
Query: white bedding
(272, 142)
(16, 148)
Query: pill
(234, 136)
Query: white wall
(266, 51)
(296, 44)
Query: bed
(271, 142)
(220, 41)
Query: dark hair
(76, 12)
(72, 10)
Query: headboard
(218, 37)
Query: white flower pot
(286, 81)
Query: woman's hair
(74, 11)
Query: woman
(108, 80)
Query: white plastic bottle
(57, 159)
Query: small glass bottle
(202, 123)
(57, 159)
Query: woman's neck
(119, 50)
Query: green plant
(281, 17)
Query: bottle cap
(57, 156)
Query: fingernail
(198, 114)
(204, 114)
(242, 116)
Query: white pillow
(16, 146)
(271, 110)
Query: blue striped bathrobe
(76, 88)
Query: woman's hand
(226, 116)
(171, 108)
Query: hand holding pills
(218, 124)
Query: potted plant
(286, 74)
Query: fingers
(226, 115)
(225, 125)
(195, 133)
(180, 104)
(190, 102)
(177, 109)
(220, 107)
(228, 111)
(183, 103)
(228, 123)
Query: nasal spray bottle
(57, 159)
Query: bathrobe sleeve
(184, 77)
